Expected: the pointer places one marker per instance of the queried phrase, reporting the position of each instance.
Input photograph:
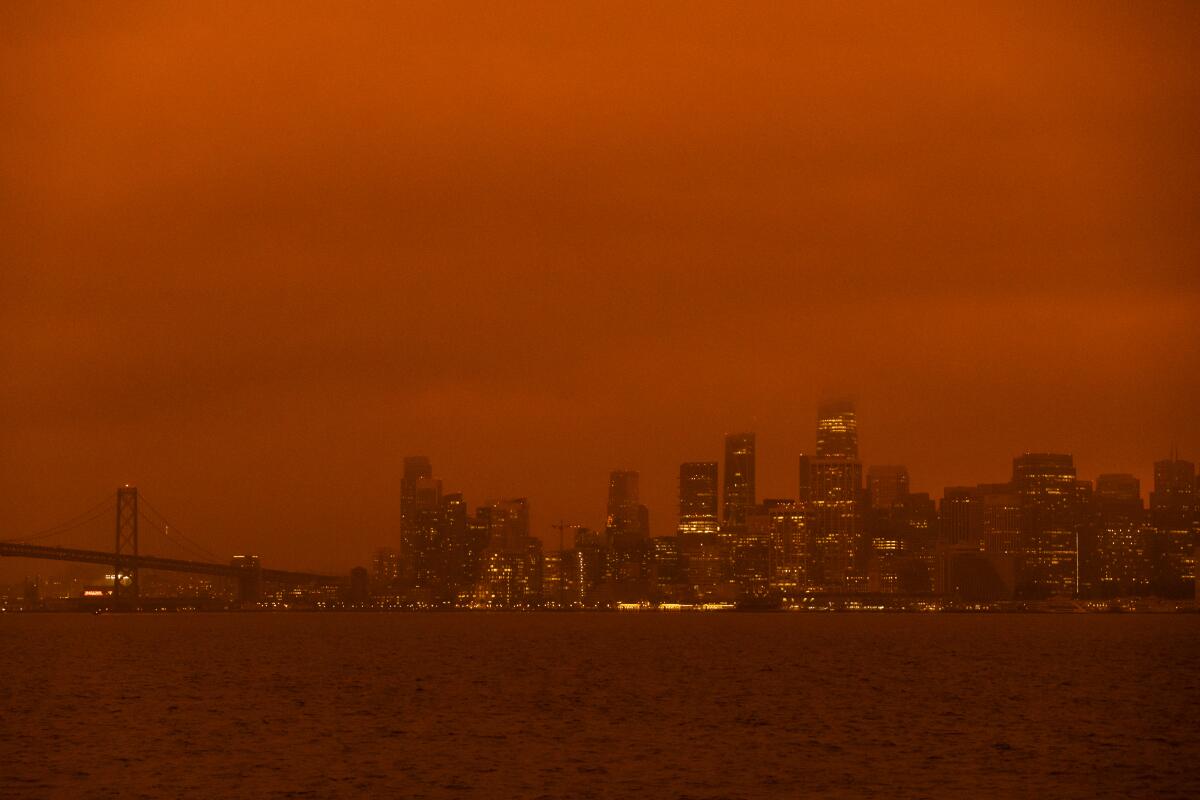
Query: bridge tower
(127, 540)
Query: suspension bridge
(132, 515)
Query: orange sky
(253, 256)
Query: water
(599, 705)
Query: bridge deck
(17, 550)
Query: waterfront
(599, 705)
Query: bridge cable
(91, 515)
(174, 531)
(177, 541)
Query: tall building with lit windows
(739, 488)
(415, 469)
(831, 486)
(1120, 563)
(698, 497)
(1051, 518)
(1174, 515)
(837, 431)
(512, 564)
(627, 535)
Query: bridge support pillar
(126, 544)
(249, 579)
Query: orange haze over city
(254, 254)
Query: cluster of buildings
(850, 532)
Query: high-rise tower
(837, 431)
(626, 515)
(739, 487)
(1050, 501)
(698, 497)
(1174, 515)
(415, 468)
(831, 484)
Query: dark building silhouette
(961, 516)
(1003, 519)
(627, 518)
(415, 468)
(739, 486)
(627, 533)
(886, 484)
(1173, 514)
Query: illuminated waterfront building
(555, 566)
(420, 541)
(739, 486)
(886, 493)
(706, 564)
(666, 573)
(590, 565)
(752, 553)
(1046, 484)
(915, 523)
(512, 563)
(385, 571)
(1174, 515)
(831, 487)
(461, 543)
(698, 497)
(1121, 560)
(837, 520)
(785, 527)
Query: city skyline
(252, 296)
(1044, 534)
(418, 469)
(599, 399)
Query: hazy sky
(253, 254)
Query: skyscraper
(698, 497)
(419, 548)
(512, 564)
(1120, 563)
(415, 468)
(1047, 487)
(837, 521)
(739, 489)
(831, 484)
(626, 514)
(1173, 513)
(961, 516)
(628, 537)
(837, 431)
